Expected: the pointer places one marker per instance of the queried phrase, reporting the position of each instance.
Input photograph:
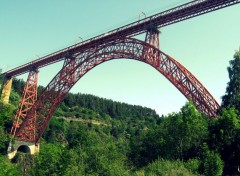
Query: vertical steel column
(152, 37)
(150, 54)
(29, 96)
(47, 103)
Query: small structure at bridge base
(21, 146)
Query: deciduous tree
(232, 95)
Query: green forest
(89, 135)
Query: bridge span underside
(78, 64)
(34, 113)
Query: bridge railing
(174, 15)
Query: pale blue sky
(204, 45)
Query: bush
(165, 168)
(7, 168)
(193, 165)
(213, 165)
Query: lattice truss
(33, 115)
(28, 98)
(78, 64)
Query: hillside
(89, 135)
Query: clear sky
(204, 45)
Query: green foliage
(232, 95)
(225, 138)
(102, 155)
(24, 161)
(185, 131)
(229, 125)
(56, 131)
(77, 136)
(225, 132)
(7, 168)
(14, 98)
(179, 136)
(76, 163)
(49, 161)
(193, 165)
(96, 136)
(213, 165)
(3, 140)
(165, 168)
(18, 85)
(90, 152)
(6, 113)
(105, 106)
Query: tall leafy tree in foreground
(232, 96)
(225, 135)
(179, 136)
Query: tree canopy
(232, 95)
(89, 135)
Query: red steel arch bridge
(34, 113)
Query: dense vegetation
(89, 135)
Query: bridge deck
(174, 15)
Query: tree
(7, 168)
(6, 113)
(179, 136)
(232, 95)
(213, 165)
(185, 132)
(49, 161)
(165, 167)
(3, 140)
(225, 138)
(227, 129)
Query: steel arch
(77, 65)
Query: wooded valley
(89, 135)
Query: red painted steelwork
(79, 64)
(174, 15)
(29, 97)
(152, 37)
